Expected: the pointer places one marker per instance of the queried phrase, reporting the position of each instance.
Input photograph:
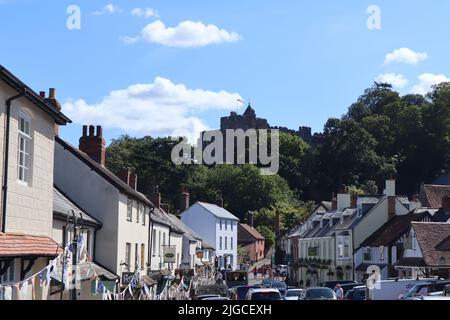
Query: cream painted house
(327, 248)
(122, 244)
(28, 123)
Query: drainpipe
(6, 162)
(150, 240)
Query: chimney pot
(91, 131)
(99, 131)
(42, 94)
(51, 93)
(250, 219)
(85, 128)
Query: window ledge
(22, 183)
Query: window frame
(129, 210)
(24, 169)
(128, 256)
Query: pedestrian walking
(339, 292)
(255, 272)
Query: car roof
(255, 290)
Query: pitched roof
(431, 195)
(32, 96)
(444, 245)
(62, 205)
(104, 172)
(392, 230)
(188, 232)
(217, 211)
(251, 231)
(430, 235)
(16, 245)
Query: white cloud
(160, 108)
(186, 34)
(108, 9)
(144, 12)
(397, 80)
(405, 55)
(426, 81)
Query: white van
(394, 289)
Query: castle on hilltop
(249, 120)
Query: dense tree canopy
(383, 135)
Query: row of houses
(52, 190)
(354, 235)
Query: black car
(350, 286)
(239, 293)
(357, 293)
(332, 284)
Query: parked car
(264, 294)
(216, 290)
(239, 293)
(332, 284)
(350, 286)
(267, 283)
(319, 293)
(281, 286)
(425, 289)
(294, 294)
(357, 293)
(207, 296)
(216, 299)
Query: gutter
(6, 157)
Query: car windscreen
(319, 293)
(294, 293)
(266, 296)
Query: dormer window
(24, 149)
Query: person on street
(219, 278)
(255, 272)
(339, 292)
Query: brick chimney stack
(155, 198)
(93, 144)
(53, 102)
(250, 219)
(183, 200)
(219, 201)
(129, 176)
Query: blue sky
(298, 62)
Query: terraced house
(28, 126)
(327, 246)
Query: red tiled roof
(252, 231)
(26, 245)
(429, 235)
(431, 195)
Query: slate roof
(188, 232)
(251, 231)
(104, 172)
(410, 262)
(431, 236)
(33, 97)
(17, 245)
(444, 245)
(392, 230)
(217, 211)
(431, 195)
(62, 205)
